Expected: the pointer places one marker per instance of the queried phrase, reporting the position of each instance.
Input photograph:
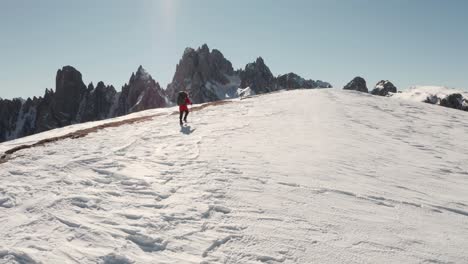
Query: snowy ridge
(58, 132)
(421, 93)
(304, 176)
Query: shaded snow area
(304, 176)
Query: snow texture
(304, 176)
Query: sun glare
(167, 14)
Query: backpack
(181, 98)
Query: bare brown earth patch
(84, 132)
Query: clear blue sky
(406, 41)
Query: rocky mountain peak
(68, 79)
(188, 51)
(90, 86)
(100, 85)
(260, 61)
(258, 77)
(142, 92)
(141, 75)
(204, 73)
(69, 91)
(141, 71)
(204, 49)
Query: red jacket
(183, 107)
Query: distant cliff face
(206, 75)
(97, 103)
(74, 102)
(142, 92)
(258, 77)
(69, 92)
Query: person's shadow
(186, 129)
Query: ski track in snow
(307, 176)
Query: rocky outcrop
(357, 84)
(142, 92)
(206, 75)
(258, 77)
(69, 92)
(383, 88)
(293, 81)
(322, 84)
(442, 96)
(73, 102)
(432, 99)
(455, 101)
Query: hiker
(183, 100)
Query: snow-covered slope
(306, 176)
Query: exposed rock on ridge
(293, 81)
(383, 88)
(357, 84)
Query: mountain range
(206, 74)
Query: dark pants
(185, 117)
